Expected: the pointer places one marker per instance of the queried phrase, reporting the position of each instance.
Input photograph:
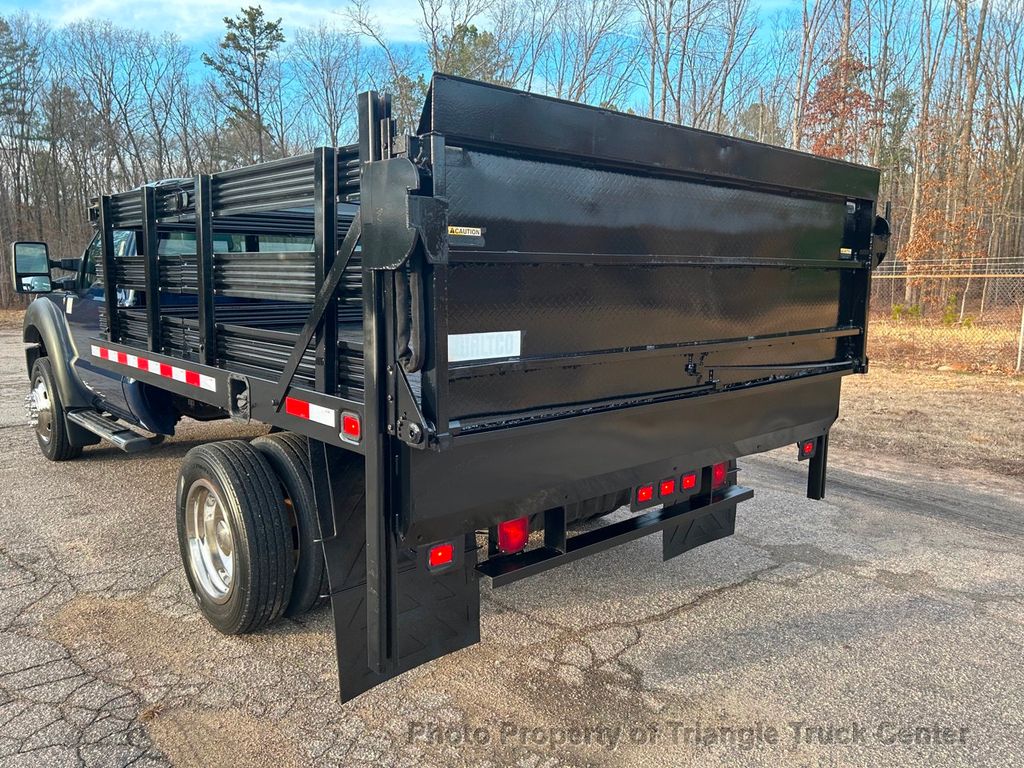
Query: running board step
(124, 437)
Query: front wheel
(234, 535)
(46, 414)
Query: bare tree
(327, 71)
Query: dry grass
(913, 344)
(11, 318)
(946, 418)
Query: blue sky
(199, 21)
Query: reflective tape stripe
(321, 415)
(185, 376)
(310, 411)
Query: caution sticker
(465, 231)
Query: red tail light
(667, 487)
(441, 555)
(805, 449)
(688, 481)
(719, 475)
(351, 428)
(513, 535)
(644, 494)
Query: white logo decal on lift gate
(484, 346)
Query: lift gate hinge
(405, 420)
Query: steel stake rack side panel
(174, 345)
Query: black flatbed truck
(530, 314)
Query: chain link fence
(939, 314)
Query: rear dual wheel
(234, 536)
(247, 531)
(288, 454)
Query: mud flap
(693, 533)
(437, 614)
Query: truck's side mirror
(30, 265)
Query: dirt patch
(193, 739)
(948, 419)
(240, 678)
(124, 625)
(151, 640)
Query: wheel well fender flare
(46, 331)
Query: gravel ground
(885, 625)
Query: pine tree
(242, 65)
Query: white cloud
(201, 20)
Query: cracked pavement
(898, 602)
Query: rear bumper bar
(506, 569)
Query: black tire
(248, 500)
(288, 454)
(52, 430)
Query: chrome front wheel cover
(211, 542)
(40, 410)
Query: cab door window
(124, 241)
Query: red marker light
(667, 487)
(441, 555)
(644, 494)
(351, 428)
(719, 474)
(689, 481)
(513, 535)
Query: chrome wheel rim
(211, 542)
(41, 410)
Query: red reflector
(513, 535)
(441, 554)
(689, 481)
(807, 447)
(644, 493)
(667, 487)
(719, 474)
(191, 377)
(350, 426)
(295, 407)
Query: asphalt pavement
(882, 626)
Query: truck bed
(526, 308)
